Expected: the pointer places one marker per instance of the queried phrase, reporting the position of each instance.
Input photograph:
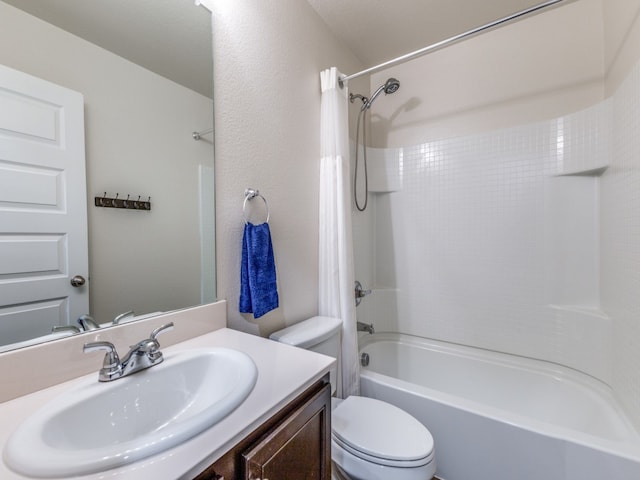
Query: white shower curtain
(336, 282)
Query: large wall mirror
(144, 70)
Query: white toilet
(370, 439)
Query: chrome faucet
(365, 327)
(122, 316)
(144, 354)
(65, 328)
(87, 323)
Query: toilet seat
(383, 461)
(381, 433)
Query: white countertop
(283, 373)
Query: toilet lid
(308, 333)
(379, 429)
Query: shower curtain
(336, 282)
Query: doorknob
(78, 281)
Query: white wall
(538, 68)
(138, 141)
(268, 55)
(620, 200)
(620, 241)
(622, 40)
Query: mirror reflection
(141, 89)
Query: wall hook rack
(127, 203)
(199, 135)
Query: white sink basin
(98, 426)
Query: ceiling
(169, 37)
(173, 37)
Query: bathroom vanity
(283, 423)
(294, 443)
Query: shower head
(390, 86)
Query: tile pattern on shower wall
(471, 245)
(583, 141)
(473, 212)
(621, 242)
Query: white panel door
(43, 206)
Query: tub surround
(522, 240)
(284, 373)
(504, 229)
(511, 216)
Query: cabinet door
(298, 448)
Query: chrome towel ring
(250, 194)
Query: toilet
(370, 439)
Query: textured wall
(267, 61)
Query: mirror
(144, 69)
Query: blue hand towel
(258, 287)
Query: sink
(97, 426)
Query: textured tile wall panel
(484, 234)
(525, 240)
(620, 238)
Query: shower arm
(354, 96)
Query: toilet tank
(318, 334)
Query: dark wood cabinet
(293, 444)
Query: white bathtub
(499, 417)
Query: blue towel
(258, 287)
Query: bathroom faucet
(87, 323)
(365, 327)
(144, 354)
(122, 316)
(65, 328)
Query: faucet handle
(87, 323)
(122, 316)
(111, 358)
(150, 346)
(65, 328)
(161, 329)
(111, 366)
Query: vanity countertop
(283, 373)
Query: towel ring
(250, 194)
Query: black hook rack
(127, 203)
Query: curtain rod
(208, 4)
(455, 39)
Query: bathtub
(495, 416)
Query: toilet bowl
(370, 439)
(374, 440)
